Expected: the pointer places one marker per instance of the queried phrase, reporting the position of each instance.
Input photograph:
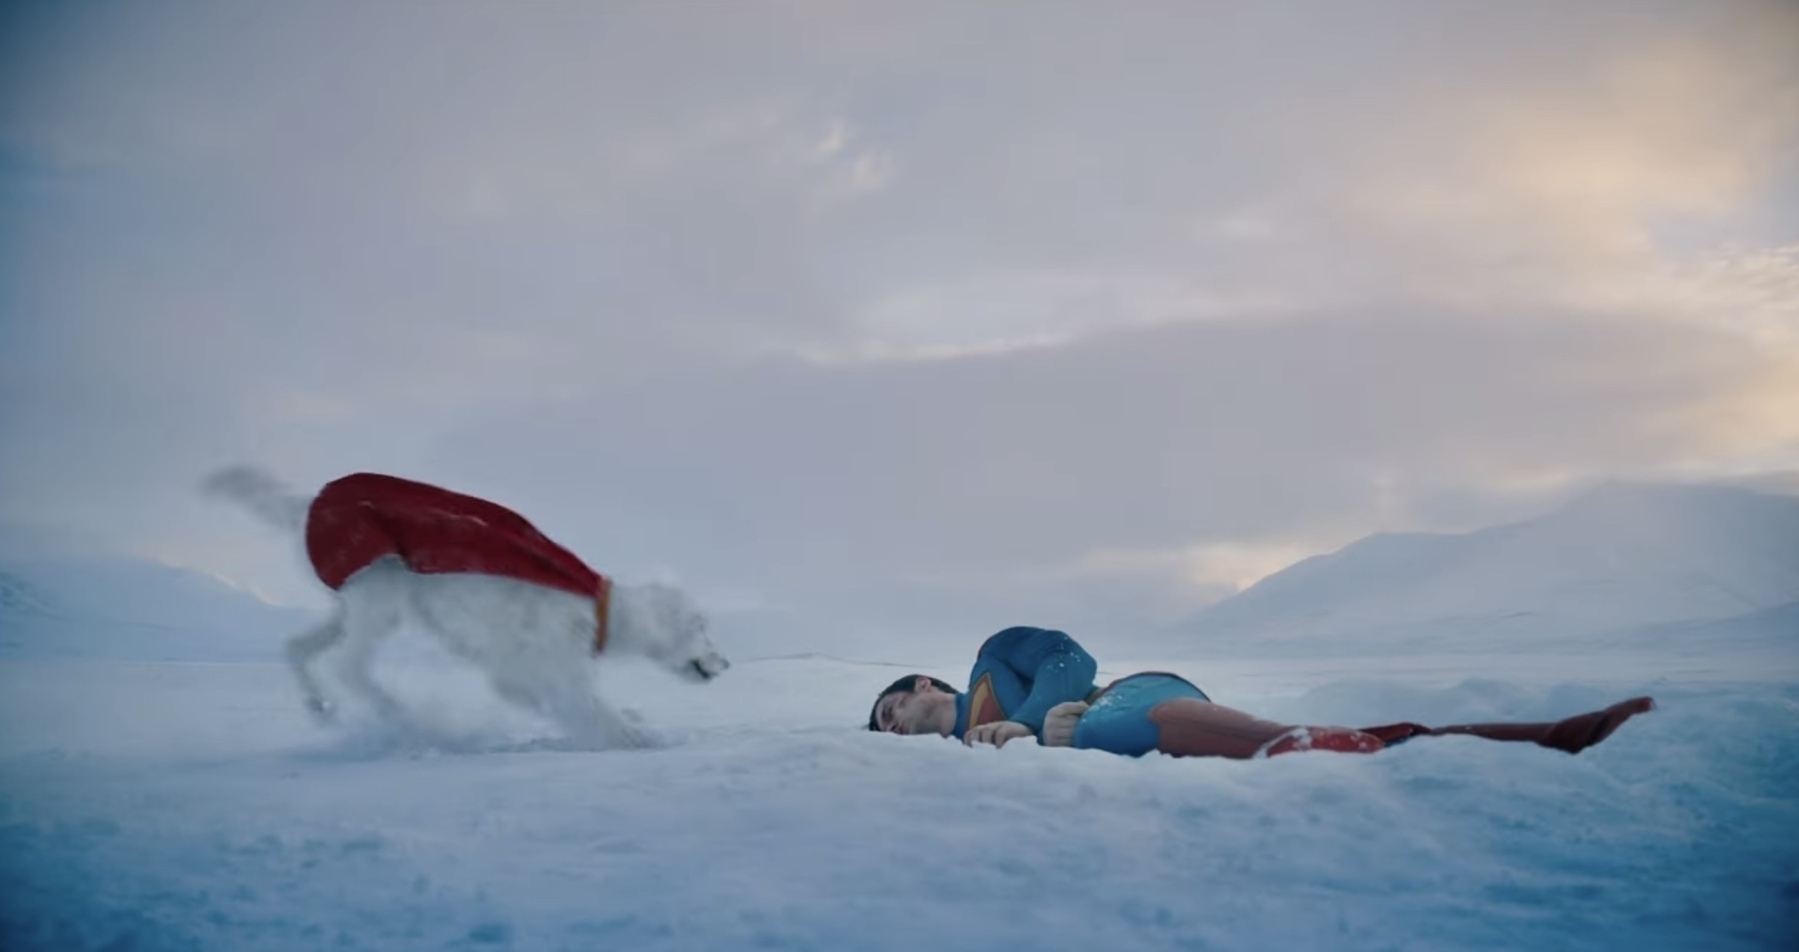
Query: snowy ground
(191, 806)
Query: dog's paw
(634, 737)
(621, 737)
(322, 711)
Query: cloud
(902, 310)
(1201, 451)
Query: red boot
(1571, 734)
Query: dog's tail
(262, 494)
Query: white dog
(532, 640)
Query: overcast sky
(895, 317)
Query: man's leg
(1189, 727)
(1571, 734)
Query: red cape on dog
(363, 517)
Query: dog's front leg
(626, 727)
(590, 721)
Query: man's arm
(1053, 664)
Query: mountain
(1619, 558)
(125, 608)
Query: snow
(161, 789)
(178, 806)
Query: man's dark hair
(904, 686)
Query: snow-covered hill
(133, 609)
(1618, 559)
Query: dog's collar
(602, 613)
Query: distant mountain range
(1675, 568)
(1621, 563)
(133, 609)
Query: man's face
(925, 710)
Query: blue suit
(1021, 673)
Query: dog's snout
(699, 668)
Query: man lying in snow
(1035, 682)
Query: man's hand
(1059, 723)
(996, 733)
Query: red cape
(366, 516)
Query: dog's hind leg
(302, 650)
(365, 629)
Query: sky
(887, 318)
